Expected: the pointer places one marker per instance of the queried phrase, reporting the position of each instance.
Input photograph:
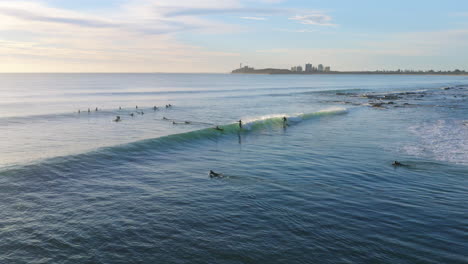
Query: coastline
(288, 72)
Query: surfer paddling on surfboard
(215, 175)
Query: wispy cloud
(216, 11)
(297, 30)
(273, 51)
(254, 18)
(459, 14)
(314, 19)
(36, 16)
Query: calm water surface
(80, 188)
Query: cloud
(132, 38)
(273, 51)
(218, 11)
(459, 14)
(314, 19)
(297, 30)
(34, 16)
(253, 18)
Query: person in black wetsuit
(240, 124)
(285, 121)
(218, 128)
(215, 175)
(397, 164)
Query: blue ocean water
(80, 188)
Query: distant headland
(320, 69)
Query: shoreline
(351, 73)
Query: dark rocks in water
(377, 105)
(381, 97)
(391, 97)
(371, 96)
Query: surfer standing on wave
(285, 121)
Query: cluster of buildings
(310, 68)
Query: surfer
(155, 108)
(285, 121)
(117, 119)
(120, 108)
(136, 106)
(215, 175)
(218, 128)
(240, 124)
(187, 122)
(132, 114)
(397, 164)
(164, 118)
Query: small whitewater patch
(443, 140)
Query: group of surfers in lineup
(155, 108)
(118, 118)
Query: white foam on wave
(443, 140)
(333, 110)
(295, 118)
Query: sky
(217, 35)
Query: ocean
(320, 187)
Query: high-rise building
(299, 68)
(327, 69)
(308, 67)
(320, 68)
